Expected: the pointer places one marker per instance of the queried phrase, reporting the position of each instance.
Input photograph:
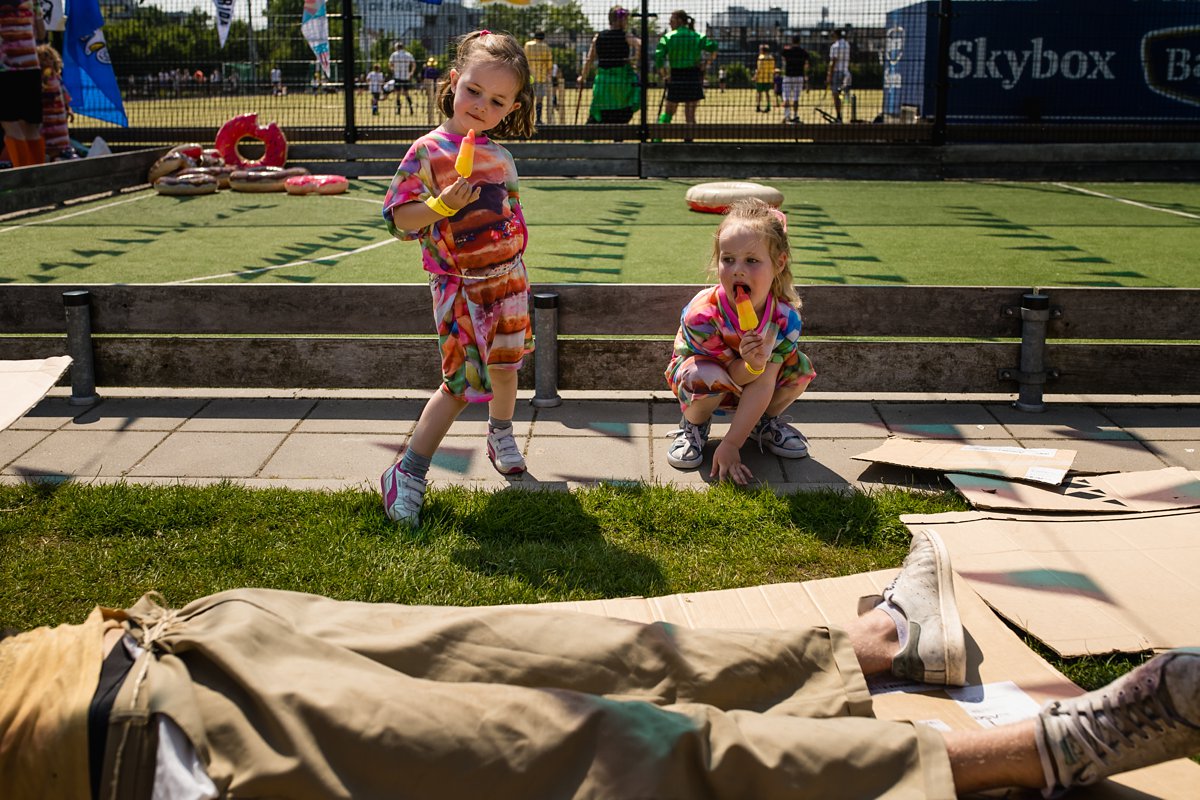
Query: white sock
(899, 619)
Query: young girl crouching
(757, 370)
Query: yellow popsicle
(465, 162)
(747, 319)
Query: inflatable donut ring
(220, 173)
(175, 159)
(316, 184)
(211, 157)
(263, 179)
(185, 184)
(716, 198)
(245, 126)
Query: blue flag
(87, 68)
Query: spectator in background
(615, 92)
(764, 75)
(556, 100)
(403, 66)
(56, 105)
(541, 60)
(837, 77)
(21, 28)
(722, 77)
(375, 87)
(429, 79)
(277, 87)
(682, 57)
(795, 72)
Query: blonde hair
(48, 57)
(768, 223)
(502, 49)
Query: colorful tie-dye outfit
(708, 341)
(477, 275)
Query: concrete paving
(336, 439)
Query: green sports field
(628, 231)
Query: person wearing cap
(541, 60)
(261, 693)
(682, 57)
(613, 52)
(429, 80)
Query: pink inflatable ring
(716, 198)
(316, 184)
(245, 126)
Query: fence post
(77, 305)
(1032, 374)
(349, 69)
(942, 87)
(545, 356)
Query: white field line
(1146, 206)
(244, 273)
(75, 214)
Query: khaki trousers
(289, 695)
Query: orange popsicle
(465, 162)
(747, 319)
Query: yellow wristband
(746, 366)
(441, 208)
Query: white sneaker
(687, 451)
(936, 649)
(1150, 715)
(402, 495)
(503, 451)
(774, 434)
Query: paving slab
(1156, 423)
(1107, 456)
(250, 414)
(464, 459)
(85, 454)
(50, 414)
(837, 420)
(139, 413)
(208, 454)
(362, 415)
(941, 421)
(829, 462)
(588, 459)
(473, 420)
(14, 443)
(594, 418)
(1177, 453)
(342, 456)
(1058, 422)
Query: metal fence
(943, 70)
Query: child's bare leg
(437, 417)
(504, 393)
(700, 411)
(784, 396)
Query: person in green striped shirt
(681, 58)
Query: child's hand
(727, 465)
(753, 350)
(459, 194)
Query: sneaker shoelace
(694, 434)
(775, 427)
(1102, 731)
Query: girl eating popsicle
(456, 192)
(738, 347)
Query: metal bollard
(545, 356)
(77, 305)
(1035, 313)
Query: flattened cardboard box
(1041, 465)
(1009, 680)
(24, 383)
(1115, 493)
(1082, 585)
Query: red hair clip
(484, 32)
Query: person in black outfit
(795, 72)
(615, 92)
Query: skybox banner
(1049, 61)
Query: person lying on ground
(260, 693)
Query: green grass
(627, 231)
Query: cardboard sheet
(1082, 585)
(24, 383)
(1008, 680)
(1119, 492)
(1041, 465)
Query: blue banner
(1133, 61)
(87, 68)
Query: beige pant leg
(307, 697)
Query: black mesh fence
(786, 70)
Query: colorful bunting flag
(87, 69)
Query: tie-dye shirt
(486, 237)
(708, 327)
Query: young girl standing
(472, 235)
(752, 366)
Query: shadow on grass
(548, 540)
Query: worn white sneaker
(503, 451)
(935, 651)
(774, 434)
(402, 495)
(687, 451)
(1145, 717)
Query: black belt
(112, 674)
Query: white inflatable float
(717, 197)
